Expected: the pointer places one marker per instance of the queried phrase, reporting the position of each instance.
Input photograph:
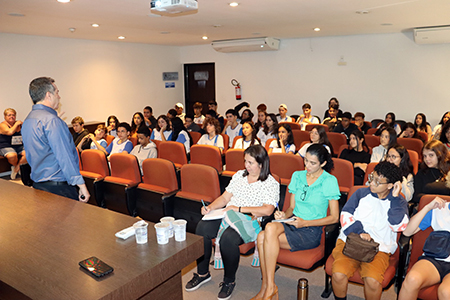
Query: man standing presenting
(49, 146)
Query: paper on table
(284, 220)
(214, 214)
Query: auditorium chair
(418, 240)
(120, 188)
(371, 131)
(226, 141)
(337, 140)
(414, 157)
(390, 276)
(309, 127)
(198, 182)
(268, 142)
(134, 141)
(109, 139)
(371, 140)
(155, 195)
(234, 161)
(95, 169)
(173, 151)
(370, 167)
(344, 173)
(376, 122)
(195, 136)
(300, 137)
(294, 125)
(207, 155)
(412, 144)
(423, 136)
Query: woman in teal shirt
(313, 191)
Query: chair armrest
(168, 195)
(331, 235)
(403, 248)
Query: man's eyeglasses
(374, 180)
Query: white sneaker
(13, 173)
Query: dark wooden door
(199, 85)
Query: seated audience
(180, 134)
(317, 135)
(150, 120)
(270, 129)
(422, 125)
(233, 128)
(247, 116)
(346, 126)
(162, 126)
(259, 126)
(112, 123)
(377, 212)
(399, 156)
(120, 144)
(283, 117)
(429, 269)
(432, 176)
(388, 138)
(284, 142)
(11, 145)
(333, 119)
(332, 101)
(313, 192)
(179, 108)
(190, 124)
(389, 121)
(251, 191)
(146, 148)
(198, 117)
(409, 131)
(212, 136)
(172, 113)
(437, 128)
(79, 131)
(248, 137)
(306, 118)
(98, 138)
(136, 123)
(358, 155)
(359, 121)
(212, 105)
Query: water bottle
(302, 289)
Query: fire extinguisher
(237, 88)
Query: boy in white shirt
(146, 148)
(233, 128)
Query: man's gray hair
(39, 88)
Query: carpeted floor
(248, 283)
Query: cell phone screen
(95, 266)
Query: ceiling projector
(173, 7)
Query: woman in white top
(212, 137)
(248, 137)
(120, 144)
(283, 117)
(285, 141)
(317, 135)
(306, 118)
(270, 129)
(390, 121)
(112, 125)
(98, 138)
(162, 125)
(388, 138)
(399, 156)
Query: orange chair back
(337, 140)
(207, 155)
(284, 165)
(200, 179)
(226, 141)
(133, 140)
(293, 125)
(125, 166)
(309, 127)
(370, 168)
(342, 149)
(109, 139)
(343, 171)
(300, 137)
(195, 136)
(412, 144)
(160, 172)
(268, 142)
(95, 161)
(414, 157)
(235, 140)
(371, 131)
(423, 136)
(234, 160)
(371, 140)
(173, 151)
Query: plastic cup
(162, 233)
(168, 220)
(141, 232)
(179, 228)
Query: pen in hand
(205, 207)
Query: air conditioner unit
(245, 45)
(172, 8)
(432, 35)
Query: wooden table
(44, 236)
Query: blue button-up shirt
(49, 147)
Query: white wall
(385, 72)
(95, 79)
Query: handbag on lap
(359, 249)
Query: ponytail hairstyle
(322, 155)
